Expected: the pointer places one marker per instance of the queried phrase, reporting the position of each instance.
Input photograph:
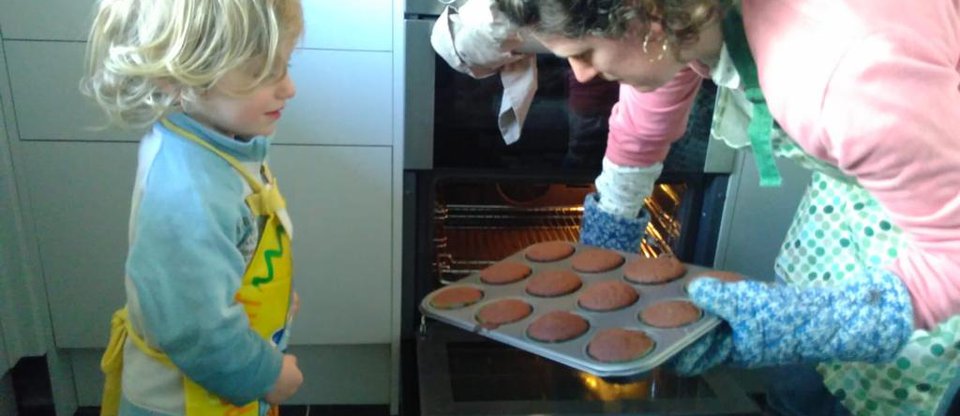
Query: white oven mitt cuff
(622, 189)
(478, 40)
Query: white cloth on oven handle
(477, 40)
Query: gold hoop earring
(663, 48)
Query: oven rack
(472, 237)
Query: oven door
(464, 374)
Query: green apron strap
(761, 124)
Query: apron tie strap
(267, 201)
(761, 123)
(112, 365)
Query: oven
(470, 200)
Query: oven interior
(476, 224)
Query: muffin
(557, 326)
(671, 314)
(654, 271)
(456, 297)
(503, 312)
(615, 345)
(553, 283)
(504, 272)
(596, 260)
(549, 251)
(608, 295)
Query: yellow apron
(264, 294)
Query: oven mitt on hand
(603, 229)
(614, 216)
(866, 319)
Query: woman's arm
(891, 118)
(643, 125)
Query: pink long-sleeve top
(870, 86)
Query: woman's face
(621, 60)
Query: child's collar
(252, 150)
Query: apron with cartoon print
(264, 292)
(840, 230)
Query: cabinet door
(5, 363)
(339, 198)
(343, 98)
(45, 77)
(80, 196)
(345, 25)
(46, 19)
(340, 202)
(349, 25)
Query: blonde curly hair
(681, 20)
(145, 56)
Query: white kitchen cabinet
(46, 19)
(5, 363)
(45, 78)
(343, 97)
(340, 25)
(80, 195)
(340, 201)
(339, 198)
(350, 25)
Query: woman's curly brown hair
(682, 20)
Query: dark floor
(31, 384)
(314, 410)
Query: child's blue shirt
(191, 237)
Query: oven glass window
(566, 126)
(487, 371)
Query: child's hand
(288, 383)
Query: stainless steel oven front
(469, 199)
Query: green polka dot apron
(839, 230)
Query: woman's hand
(603, 229)
(865, 319)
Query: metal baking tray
(668, 341)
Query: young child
(208, 273)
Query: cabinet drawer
(343, 98)
(339, 199)
(46, 19)
(351, 25)
(340, 202)
(80, 196)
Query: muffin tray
(573, 352)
